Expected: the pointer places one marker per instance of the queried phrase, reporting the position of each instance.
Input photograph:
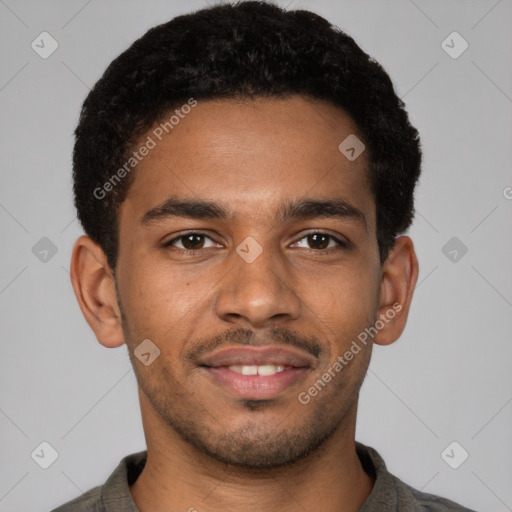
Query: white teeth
(263, 370)
(249, 370)
(267, 369)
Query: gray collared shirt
(389, 494)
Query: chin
(256, 447)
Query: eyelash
(319, 252)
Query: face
(248, 256)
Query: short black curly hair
(247, 49)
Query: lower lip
(256, 387)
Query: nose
(259, 292)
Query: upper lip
(258, 356)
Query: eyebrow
(305, 208)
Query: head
(282, 146)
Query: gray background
(447, 379)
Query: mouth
(265, 370)
(257, 373)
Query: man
(243, 174)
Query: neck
(177, 477)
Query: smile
(264, 369)
(257, 372)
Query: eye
(322, 241)
(192, 241)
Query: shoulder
(87, 502)
(392, 494)
(114, 494)
(425, 502)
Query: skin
(208, 449)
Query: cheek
(162, 306)
(351, 293)
(145, 299)
(345, 306)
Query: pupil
(316, 237)
(191, 241)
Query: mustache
(278, 336)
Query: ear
(399, 276)
(93, 283)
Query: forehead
(248, 154)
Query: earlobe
(399, 276)
(94, 287)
